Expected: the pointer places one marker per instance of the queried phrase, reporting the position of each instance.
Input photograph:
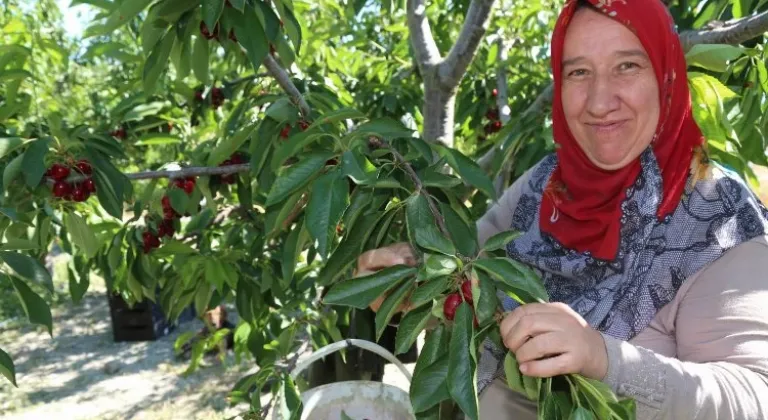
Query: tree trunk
(439, 109)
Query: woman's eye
(628, 66)
(577, 73)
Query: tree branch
(731, 32)
(424, 46)
(455, 65)
(284, 80)
(193, 171)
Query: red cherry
(61, 189)
(496, 125)
(466, 290)
(155, 241)
(495, 93)
(228, 179)
(59, 172)
(166, 202)
(89, 185)
(236, 159)
(84, 167)
(179, 183)
(80, 194)
(207, 33)
(492, 114)
(120, 133)
(189, 186)
(449, 307)
(285, 131)
(170, 214)
(167, 227)
(303, 125)
(199, 95)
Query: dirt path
(82, 374)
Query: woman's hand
(376, 259)
(550, 339)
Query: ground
(83, 374)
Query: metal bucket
(359, 400)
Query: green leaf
(436, 265)
(119, 17)
(158, 139)
(230, 145)
(28, 268)
(500, 240)
(296, 176)
(484, 297)
(435, 347)
(385, 128)
(12, 170)
(713, 57)
(7, 368)
(361, 291)
(532, 387)
(179, 200)
(349, 249)
(417, 214)
(251, 35)
(462, 364)
(356, 166)
(200, 59)
(34, 306)
(512, 372)
(389, 308)
(199, 221)
(327, 202)
(429, 290)
(293, 246)
(514, 276)
(468, 170)
(174, 247)
(338, 115)
(412, 324)
(211, 12)
(81, 234)
(463, 235)
(581, 413)
(33, 165)
(429, 237)
(290, 404)
(9, 144)
(429, 387)
(9, 213)
(158, 61)
(294, 145)
(78, 284)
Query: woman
(655, 257)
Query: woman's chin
(610, 161)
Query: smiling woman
(653, 256)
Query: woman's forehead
(590, 33)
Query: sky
(75, 18)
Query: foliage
(172, 85)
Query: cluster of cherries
(207, 34)
(71, 191)
(454, 300)
(286, 131)
(166, 227)
(235, 159)
(217, 97)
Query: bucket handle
(339, 345)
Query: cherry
(61, 189)
(166, 228)
(59, 172)
(236, 159)
(179, 183)
(466, 290)
(228, 179)
(199, 95)
(285, 131)
(207, 33)
(119, 133)
(303, 125)
(217, 97)
(451, 303)
(495, 92)
(166, 202)
(492, 114)
(84, 167)
(189, 186)
(89, 185)
(496, 126)
(80, 194)
(170, 214)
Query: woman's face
(609, 90)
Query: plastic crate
(144, 322)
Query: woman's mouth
(606, 127)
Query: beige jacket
(704, 356)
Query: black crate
(144, 322)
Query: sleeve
(721, 328)
(498, 218)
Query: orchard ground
(82, 374)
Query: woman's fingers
(553, 366)
(531, 326)
(541, 346)
(379, 258)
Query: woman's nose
(602, 98)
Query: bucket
(358, 400)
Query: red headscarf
(581, 207)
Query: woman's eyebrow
(620, 53)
